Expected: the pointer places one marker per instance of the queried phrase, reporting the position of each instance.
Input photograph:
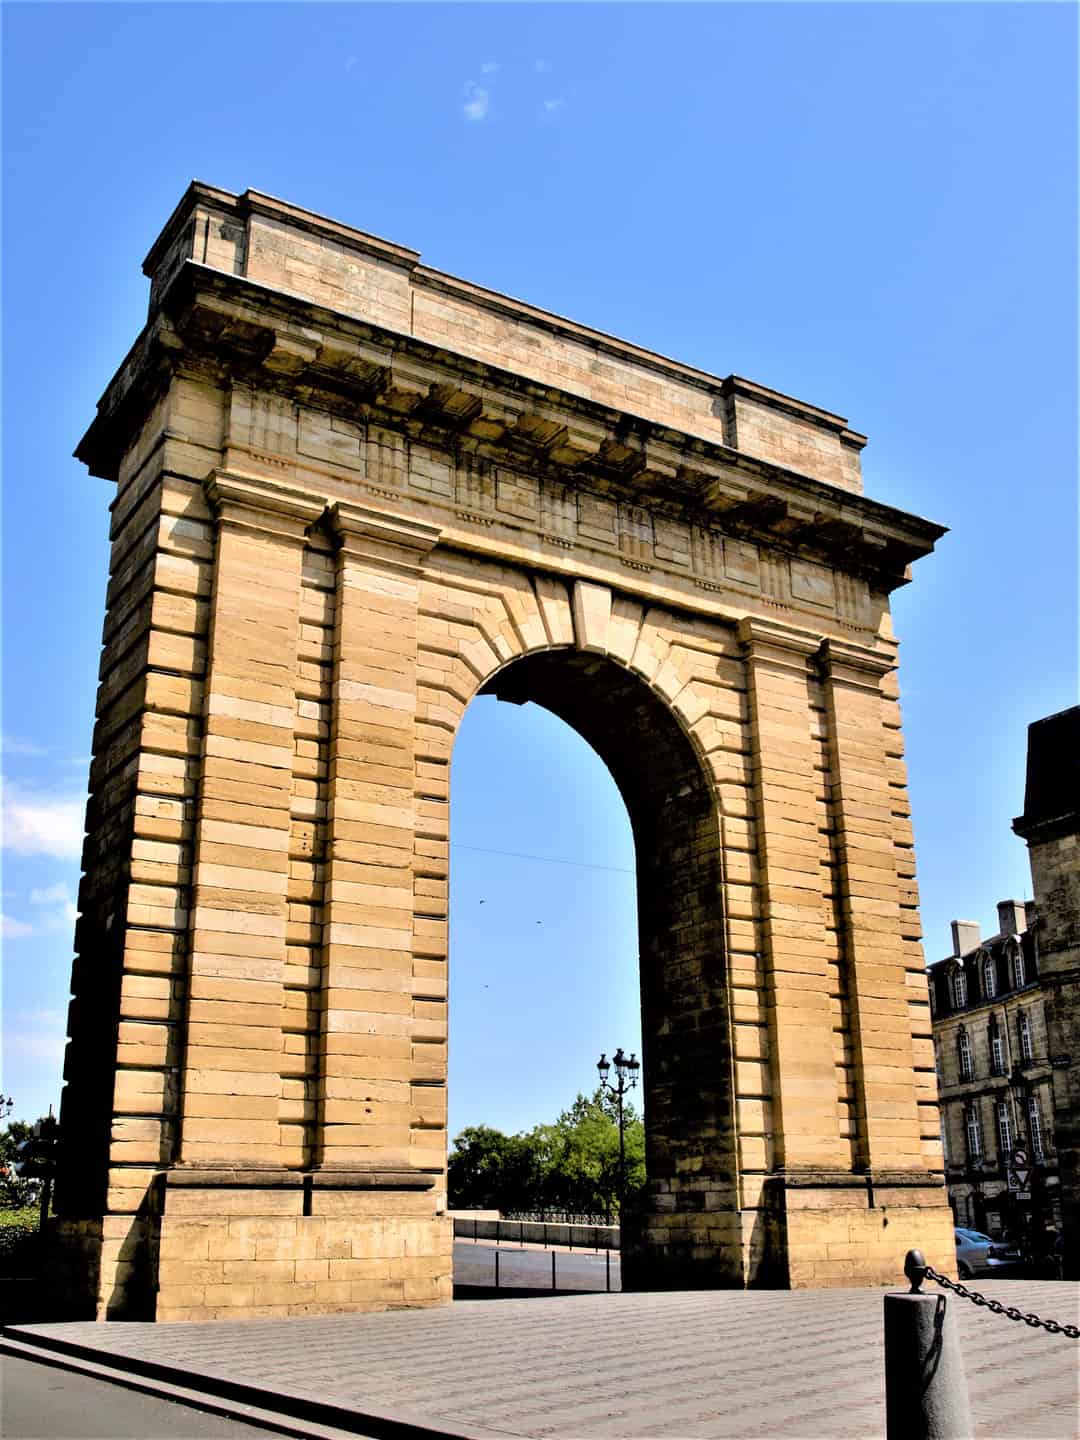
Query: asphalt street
(533, 1268)
(41, 1402)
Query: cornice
(394, 541)
(777, 645)
(1051, 827)
(250, 503)
(260, 335)
(239, 207)
(854, 666)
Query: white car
(979, 1254)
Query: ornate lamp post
(626, 1074)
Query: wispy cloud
(36, 823)
(60, 910)
(477, 101)
(15, 745)
(35, 1035)
(489, 67)
(553, 106)
(351, 61)
(542, 67)
(12, 929)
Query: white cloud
(542, 67)
(35, 1035)
(477, 101)
(51, 895)
(12, 929)
(489, 67)
(61, 911)
(351, 61)
(40, 824)
(551, 107)
(12, 745)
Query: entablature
(504, 429)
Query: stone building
(1051, 826)
(352, 492)
(1006, 1018)
(995, 1081)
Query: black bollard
(926, 1394)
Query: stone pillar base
(811, 1232)
(311, 1244)
(682, 1250)
(858, 1232)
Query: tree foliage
(569, 1167)
(16, 1190)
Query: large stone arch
(352, 493)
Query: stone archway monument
(352, 493)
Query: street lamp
(626, 1074)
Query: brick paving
(719, 1365)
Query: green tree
(568, 1167)
(16, 1191)
(491, 1171)
(581, 1156)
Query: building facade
(1050, 825)
(995, 1077)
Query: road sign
(1023, 1195)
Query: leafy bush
(20, 1242)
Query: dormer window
(958, 985)
(989, 977)
(1019, 970)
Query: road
(531, 1268)
(41, 1402)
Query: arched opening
(683, 1229)
(543, 912)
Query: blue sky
(870, 207)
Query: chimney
(1011, 917)
(965, 936)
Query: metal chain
(1009, 1311)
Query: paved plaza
(718, 1365)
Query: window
(963, 1051)
(944, 1138)
(932, 990)
(973, 1133)
(1038, 1151)
(958, 981)
(1023, 1028)
(1018, 968)
(1004, 1128)
(989, 975)
(997, 1049)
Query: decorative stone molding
(248, 503)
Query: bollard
(553, 1254)
(926, 1394)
